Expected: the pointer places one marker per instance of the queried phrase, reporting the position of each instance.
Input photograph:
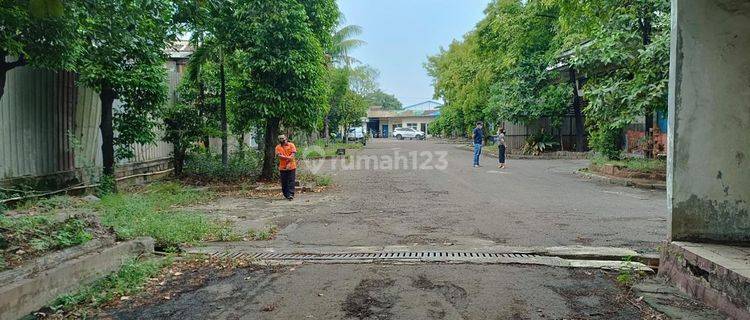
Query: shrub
(208, 167)
(539, 142)
(183, 125)
(604, 141)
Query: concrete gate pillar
(709, 105)
(708, 174)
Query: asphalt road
(531, 203)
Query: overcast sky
(400, 34)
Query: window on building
(412, 126)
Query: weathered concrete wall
(26, 293)
(709, 152)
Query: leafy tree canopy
(385, 100)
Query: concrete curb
(703, 273)
(24, 292)
(621, 181)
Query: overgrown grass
(324, 181)
(263, 235)
(153, 212)
(48, 204)
(130, 279)
(318, 180)
(635, 164)
(26, 237)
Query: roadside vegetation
(26, 237)
(131, 278)
(204, 167)
(634, 164)
(155, 211)
(325, 149)
(516, 66)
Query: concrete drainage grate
(375, 256)
(396, 257)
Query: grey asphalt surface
(396, 292)
(531, 203)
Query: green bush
(604, 142)
(539, 142)
(208, 167)
(634, 164)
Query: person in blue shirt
(478, 140)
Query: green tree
(41, 34)
(123, 58)
(182, 127)
(627, 66)
(385, 100)
(343, 43)
(363, 79)
(214, 33)
(282, 65)
(349, 111)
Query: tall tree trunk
(179, 158)
(107, 97)
(577, 113)
(202, 109)
(644, 24)
(272, 131)
(326, 124)
(224, 129)
(241, 146)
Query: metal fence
(50, 126)
(516, 134)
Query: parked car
(355, 134)
(408, 133)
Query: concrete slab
(676, 305)
(714, 274)
(29, 292)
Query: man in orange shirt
(286, 151)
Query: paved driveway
(531, 203)
(441, 199)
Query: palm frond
(203, 53)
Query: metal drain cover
(414, 257)
(430, 256)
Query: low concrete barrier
(27, 290)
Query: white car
(355, 134)
(408, 133)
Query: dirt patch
(421, 239)
(584, 296)
(184, 277)
(370, 300)
(452, 293)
